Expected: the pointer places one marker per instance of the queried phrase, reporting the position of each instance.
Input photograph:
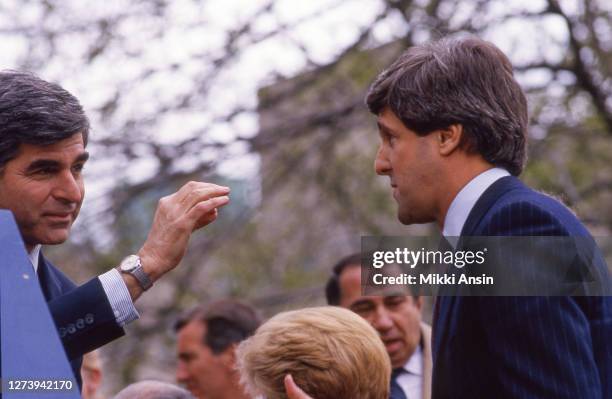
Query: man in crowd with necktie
(397, 319)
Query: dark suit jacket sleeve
(84, 319)
(546, 346)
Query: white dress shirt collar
(34, 256)
(411, 381)
(465, 200)
(414, 365)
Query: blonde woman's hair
(330, 352)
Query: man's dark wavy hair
(465, 81)
(33, 111)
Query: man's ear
(449, 139)
(96, 378)
(228, 357)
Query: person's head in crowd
(330, 352)
(91, 372)
(447, 111)
(49, 135)
(153, 390)
(206, 341)
(396, 318)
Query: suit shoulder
(530, 213)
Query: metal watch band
(142, 277)
(131, 265)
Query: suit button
(80, 324)
(62, 332)
(89, 318)
(71, 328)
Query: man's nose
(69, 188)
(181, 373)
(382, 166)
(382, 321)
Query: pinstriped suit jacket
(522, 347)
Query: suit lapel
(443, 304)
(486, 201)
(440, 323)
(50, 285)
(427, 360)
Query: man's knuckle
(166, 201)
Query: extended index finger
(193, 193)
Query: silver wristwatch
(131, 265)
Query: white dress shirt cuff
(118, 297)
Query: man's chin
(406, 218)
(47, 238)
(58, 237)
(409, 218)
(397, 362)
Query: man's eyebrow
(394, 296)
(42, 164)
(185, 355)
(51, 163)
(83, 157)
(383, 128)
(361, 302)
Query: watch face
(130, 263)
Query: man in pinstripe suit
(453, 123)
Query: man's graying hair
(150, 389)
(33, 111)
(465, 81)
